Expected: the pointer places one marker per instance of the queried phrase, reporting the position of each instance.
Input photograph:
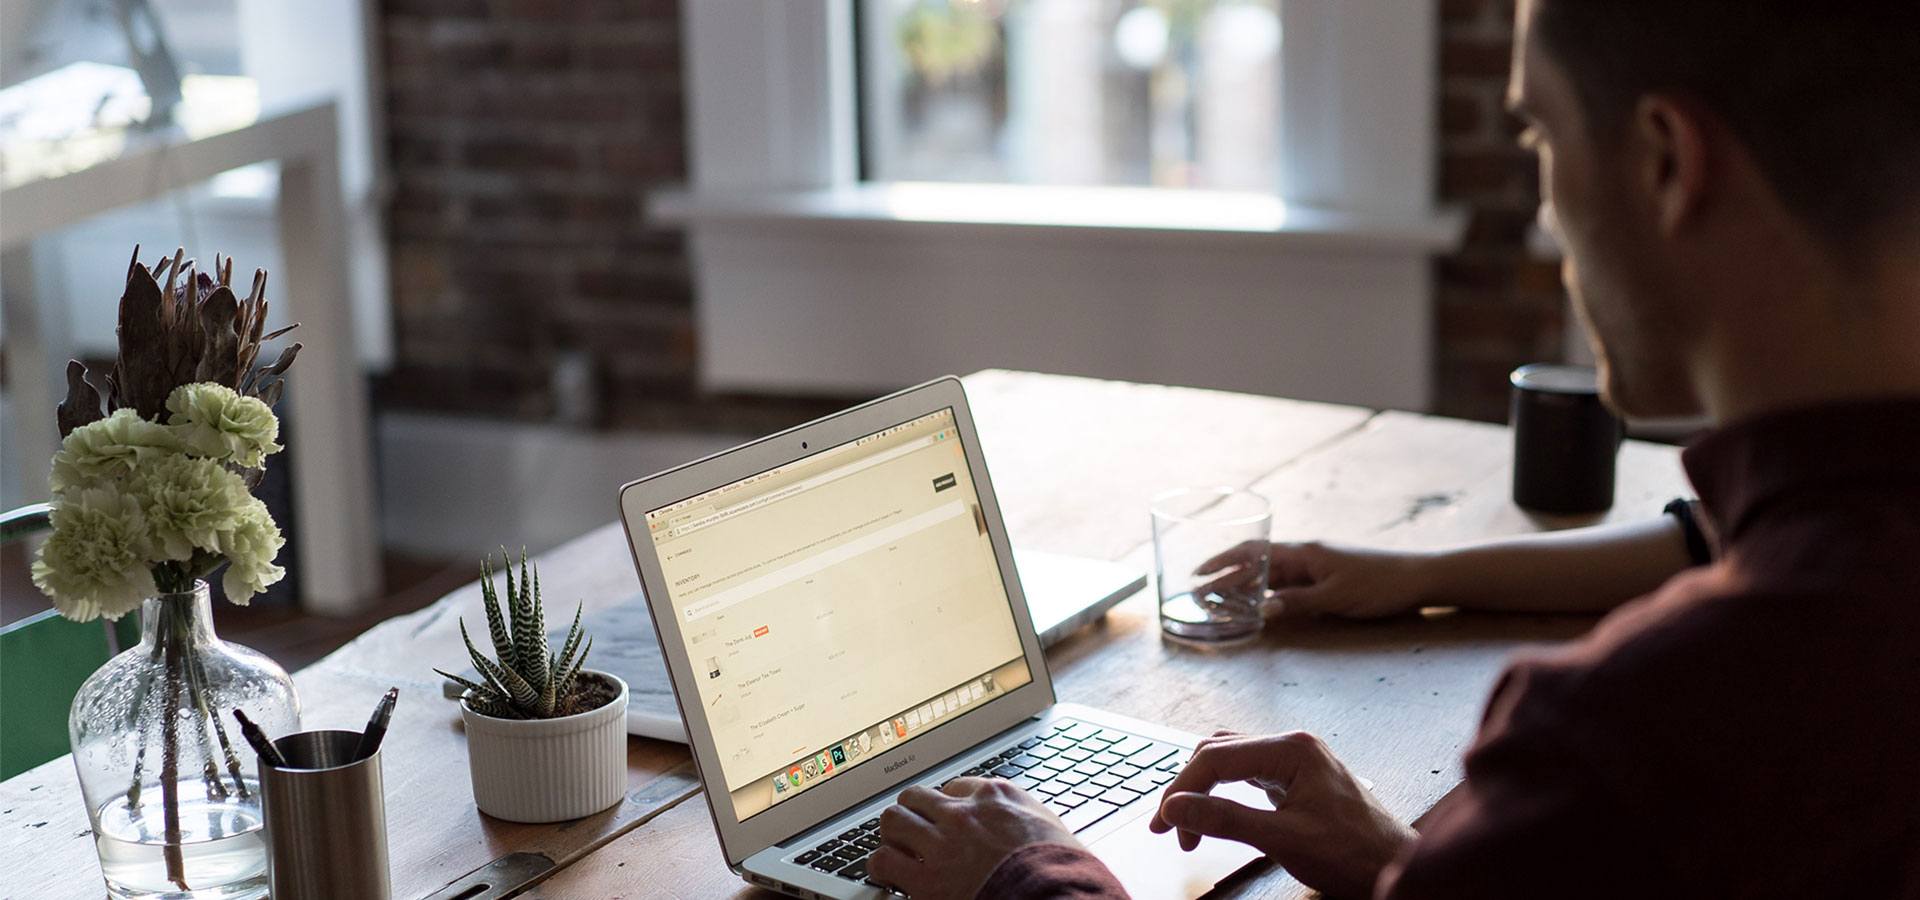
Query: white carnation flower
(95, 563)
(250, 543)
(216, 422)
(188, 501)
(109, 448)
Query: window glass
(77, 80)
(1167, 93)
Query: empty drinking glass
(1222, 532)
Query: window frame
(797, 261)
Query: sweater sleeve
(1052, 872)
(1531, 819)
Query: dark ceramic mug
(1565, 441)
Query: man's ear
(1674, 160)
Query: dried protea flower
(192, 330)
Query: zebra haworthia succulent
(524, 679)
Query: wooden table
(1074, 462)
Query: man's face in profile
(1617, 267)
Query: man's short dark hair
(1824, 93)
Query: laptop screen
(838, 605)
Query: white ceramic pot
(549, 770)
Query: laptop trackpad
(1152, 866)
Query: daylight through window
(1167, 93)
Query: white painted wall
(898, 306)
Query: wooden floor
(292, 638)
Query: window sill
(1103, 213)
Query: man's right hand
(1313, 577)
(1325, 828)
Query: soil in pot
(593, 692)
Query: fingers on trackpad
(1153, 865)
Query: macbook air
(842, 618)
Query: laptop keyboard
(846, 855)
(1082, 772)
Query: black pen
(376, 726)
(268, 753)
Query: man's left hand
(944, 844)
(1325, 828)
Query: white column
(1357, 106)
(1054, 107)
(37, 341)
(332, 474)
(1237, 105)
(769, 93)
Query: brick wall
(1497, 307)
(523, 133)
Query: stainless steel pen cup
(326, 820)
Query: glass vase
(171, 787)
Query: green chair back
(43, 660)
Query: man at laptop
(1737, 187)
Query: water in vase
(223, 849)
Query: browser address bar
(831, 475)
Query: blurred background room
(542, 248)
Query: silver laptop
(841, 618)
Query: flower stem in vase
(207, 711)
(141, 718)
(209, 773)
(170, 760)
